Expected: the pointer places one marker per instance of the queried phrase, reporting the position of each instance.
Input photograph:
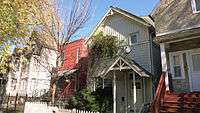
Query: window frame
(78, 54)
(62, 58)
(192, 66)
(194, 8)
(171, 54)
(130, 37)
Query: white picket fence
(38, 107)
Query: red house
(73, 69)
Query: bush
(100, 100)
(83, 100)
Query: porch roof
(67, 72)
(119, 63)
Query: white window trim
(77, 52)
(194, 9)
(129, 39)
(171, 54)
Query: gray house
(177, 24)
(132, 72)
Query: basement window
(196, 6)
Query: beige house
(177, 24)
(134, 70)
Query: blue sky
(99, 7)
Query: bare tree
(55, 28)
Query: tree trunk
(53, 93)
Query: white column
(94, 84)
(126, 96)
(144, 91)
(134, 92)
(164, 64)
(114, 93)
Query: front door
(194, 64)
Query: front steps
(181, 103)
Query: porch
(131, 84)
(181, 61)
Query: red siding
(70, 54)
(70, 62)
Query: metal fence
(13, 103)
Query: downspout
(152, 60)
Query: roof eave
(104, 17)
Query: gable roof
(146, 21)
(174, 16)
(104, 66)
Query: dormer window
(196, 6)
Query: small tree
(102, 48)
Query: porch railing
(159, 96)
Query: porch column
(164, 64)
(134, 92)
(114, 93)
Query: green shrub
(100, 100)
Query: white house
(31, 77)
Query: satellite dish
(127, 49)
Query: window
(78, 55)
(195, 62)
(16, 64)
(25, 67)
(23, 84)
(13, 84)
(37, 50)
(62, 58)
(177, 66)
(196, 6)
(133, 38)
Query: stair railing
(159, 96)
(68, 91)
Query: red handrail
(160, 92)
(67, 92)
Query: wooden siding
(122, 27)
(171, 15)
